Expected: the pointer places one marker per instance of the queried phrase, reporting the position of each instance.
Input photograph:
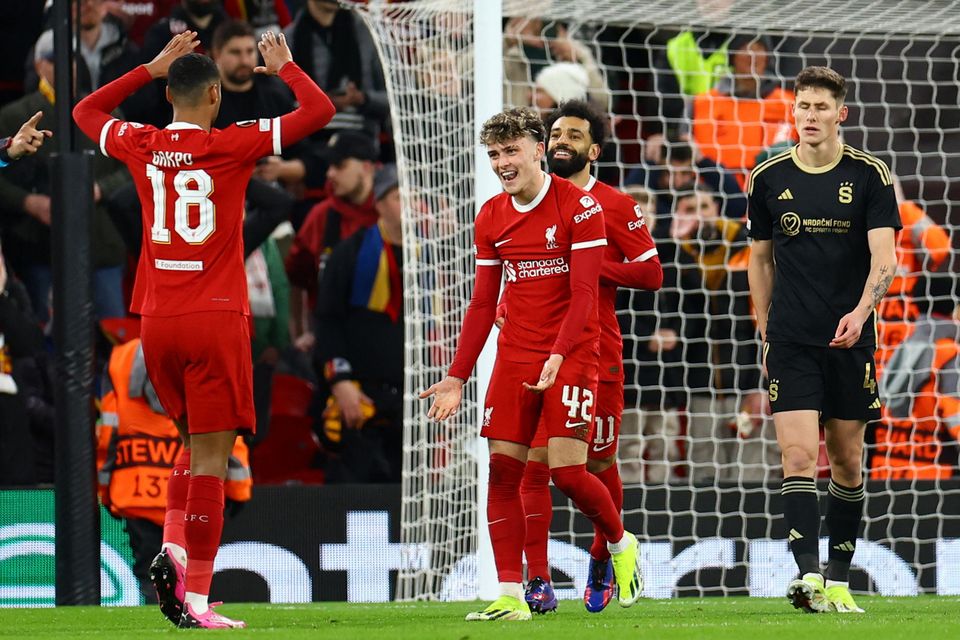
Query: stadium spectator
(25, 142)
(137, 16)
(337, 51)
(348, 208)
(194, 329)
(137, 445)
(745, 112)
(20, 338)
(247, 96)
(706, 301)
(922, 247)
(25, 203)
(103, 43)
(262, 15)
(691, 63)
(650, 431)
(917, 436)
(559, 82)
(359, 350)
(530, 46)
(679, 168)
(148, 105)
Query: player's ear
(843, 113)
(594, 152)
(214, 93)
(169, 95)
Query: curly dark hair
(585, 111)
(511, 124)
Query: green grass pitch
(920, 618)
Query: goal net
(699, 490)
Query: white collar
(183, 125)
(592, 181)
(530, 206)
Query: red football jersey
(192, 186)
(534, 243)
(628, 240)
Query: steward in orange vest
(745, 112)
(138, 444)
(920, 424)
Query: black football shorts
(839, 383)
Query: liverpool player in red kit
(548, 237)
(576, 132)
(191, 286)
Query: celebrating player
(576, 132)
(827, 213)
(548, 237)
(191, 286)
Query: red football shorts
(202, 369)
(606, 424)
(565, 410)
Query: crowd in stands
(324, 258)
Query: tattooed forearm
(879, 288)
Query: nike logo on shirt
(502, 242)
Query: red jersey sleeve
(587, 224)
(251, 140)
(483, 304)
(641, 266)
(483, 249)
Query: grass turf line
(735, 618)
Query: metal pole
(77, 514)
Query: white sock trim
(197, 602)
(834, 583)
(512, 589)
(621, 545)
(179, 553)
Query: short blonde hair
(511, 124)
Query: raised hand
(275, 53)
(28, 139)
(180, 45)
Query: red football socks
(591, 498)
(538, 507)
(204, 524)
(610, 477)
(505, 516)
(177, 488)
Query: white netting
(705, 524)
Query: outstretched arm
(642, 273)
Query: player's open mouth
(507, 176)
(563, 154)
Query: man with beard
(247, 96)
(149, 105)
(576, 136)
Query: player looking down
(822, 218)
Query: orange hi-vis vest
(137, 445)
(922, 246)
(732, 131)
(922, 408)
